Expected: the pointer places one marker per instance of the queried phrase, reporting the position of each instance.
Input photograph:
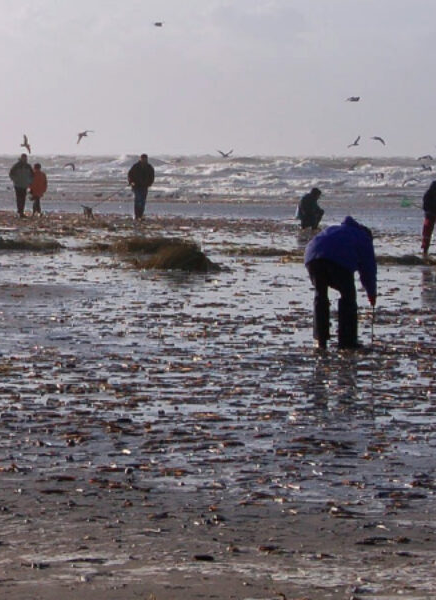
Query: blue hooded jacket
(350, 246)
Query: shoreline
(175, 436)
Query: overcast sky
(259, 76)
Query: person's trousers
(427, 231)
(36, 204)
(140, 198)
(324, 274)
(20, 194)
(312, 220)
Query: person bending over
(429, 208)
(331, 258)
(309, 212)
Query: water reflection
(334, 383)
(428, 284)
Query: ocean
(384, 192)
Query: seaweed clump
(165, 253)
(30, 244)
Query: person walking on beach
(38, 188)
(140, 177)
(429, 208)
(331, 258)
(21, 174)
(309, 212)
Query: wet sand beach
(169, 435)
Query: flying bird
(425, 157)
(83, 134)
(25, 143)
(225, 154)
(409, 180)
(72, 165)
(355, 143)
(158, 23)
(353, 99)
(379, 139)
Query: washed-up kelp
(144, 245)
(257, 251)
(30, 244)
(164, 253)
(405, 259)
(185, 256)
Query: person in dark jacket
(331, 258)
(21, 174)
(429, 208)
(140, 177)
(309, 212)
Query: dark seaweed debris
(30, 244)
(185, 256)
(163, 253)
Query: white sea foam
(240, 177)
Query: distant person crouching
(140, 177)
(331, 258)
(21, 175)
(309, 212)
(38, 188)
(429, 208)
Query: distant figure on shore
(140, 177)
(331, 258)
(38, 188)
(429, 208)
(21, 174)
(309, 212)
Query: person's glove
(372, 300)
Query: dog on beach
(87, 211)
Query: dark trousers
(427, 231)
(36, 204)
(312, 220)
(140, 198)
(324, 274)
(20, 194)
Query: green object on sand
(406, 203)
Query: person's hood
(350, 222)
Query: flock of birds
(80, 135)
(26, 144)
(377, 138)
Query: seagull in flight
(225, 154)
(158, 23)
(379, 139)
(25, 143)
(406, 181)
(355, 143)
(72, 165)
(353, 99)
(83, 134)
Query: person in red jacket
(38, 188)
(429, 208)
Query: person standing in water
(331, 258)
(309, 212)
(38, 188)
(429, 208)
(140, 177)
(21, 175)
